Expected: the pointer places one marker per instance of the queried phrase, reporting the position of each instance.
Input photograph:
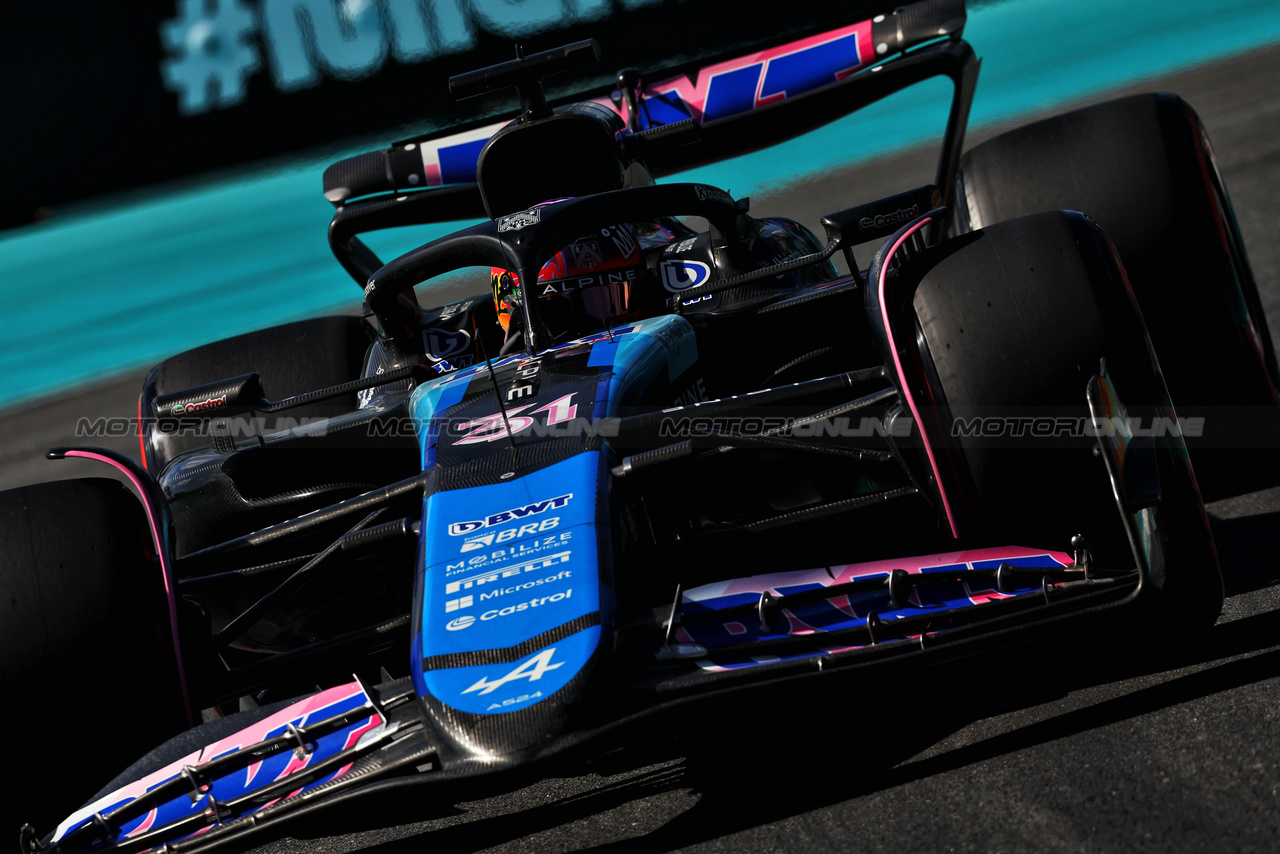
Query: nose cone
(509, 602)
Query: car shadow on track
(776, 760)
(773, 761)
(1246, 551)
(743, 789)
(772, 758)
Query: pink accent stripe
(166, 571)
(354, 738)
(839, 574)
(906, 393)
(694, 91)
(147, 822)
(253, 772)
(295, 765)
(142, 448)
(298, 713)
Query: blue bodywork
(506, 565)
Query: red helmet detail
(590, 283)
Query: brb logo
(212, 49)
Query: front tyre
(1144, 169)
(86, 657)
(1013, 321)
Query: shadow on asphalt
(772, 758)
(1246, 551)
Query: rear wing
(742, 103)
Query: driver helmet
(593, 283)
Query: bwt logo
(459, 528)
(214, 46)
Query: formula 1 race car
(623, 447)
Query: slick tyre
(1013, 321)
(290, 359)
(86, 654)
(1143, 167)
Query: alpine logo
(457, 529)
(679, 276)
(533, 670)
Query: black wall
(99, 96)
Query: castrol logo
(201, 406)
(867, 223)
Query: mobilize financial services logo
(523, 550)
(215, 46)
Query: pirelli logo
(495, 575)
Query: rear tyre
(1013, 322)
(1143, 167)
(291, 359)
(86, 656)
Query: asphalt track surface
(1061, 747)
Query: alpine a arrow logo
(533, 670)
(457, 529)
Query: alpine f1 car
(625, 446)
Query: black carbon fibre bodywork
(512, 525)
